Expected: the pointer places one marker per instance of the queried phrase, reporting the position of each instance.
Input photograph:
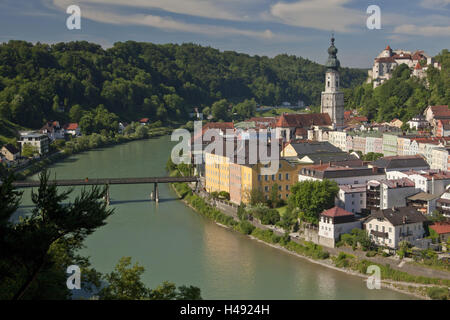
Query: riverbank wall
(416, 289)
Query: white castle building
(389, 59)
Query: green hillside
(8, 131)
(59, 82)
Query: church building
(332, 98)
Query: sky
(257, 27)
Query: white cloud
(170, 24)
(319, 14)
(212, 9)
(426, 31)
(435, 4)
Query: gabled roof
(398, 216)
(303, 120)
(336, 212)
(441, 227)
(329, 171)
(317, 158)
(144, 120)
(440, 111)
(423, 196)
(71, 126)
(394, 162)
(385, 60)
(11, 148)
(304, 147)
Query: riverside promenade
(401, 265)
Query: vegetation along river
(175, 243)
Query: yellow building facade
(240, 179)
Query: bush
(371, 254)
(224, 195)
(245, 227)
(438, 293)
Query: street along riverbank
(414, 285)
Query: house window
(287, 187)
(287, 176)
(266, 178)
(273, 177)
(266, 188)
(280, 176)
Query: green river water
(175, 243)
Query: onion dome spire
(332, 62)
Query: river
(175, 243)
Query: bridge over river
(109, 181)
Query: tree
(289, 219)
(219, 110)
(28, 150)
(256, 196)
(75, 113)
(124, 283)
(141, 132)
(312, 197)
(245, 109)
(27, 247)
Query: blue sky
(262, 27)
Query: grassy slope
(8, 131)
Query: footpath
(401, 265)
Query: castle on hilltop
(389, 59)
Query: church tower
(332, 99)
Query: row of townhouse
(435, 150)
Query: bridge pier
(107, 196)
(155, 192)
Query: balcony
(379, 234)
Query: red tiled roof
(71, 126)
(388, 48)
(418, 66)
(385, 59)
(222, 126)
(303, 120)
(441, 227)
(301, 132)
(336, 212)
(144, 120)
(347, 115)
(440, 112)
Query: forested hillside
(59, 82)
(403, 96)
